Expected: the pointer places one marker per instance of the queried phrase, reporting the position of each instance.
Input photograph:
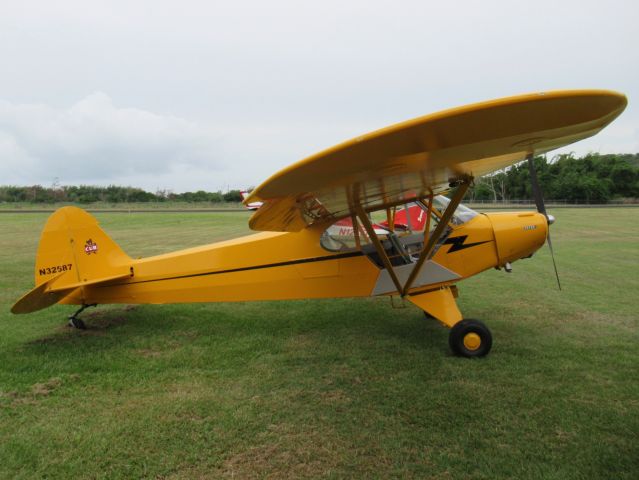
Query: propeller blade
(536, 189)
(541, 208)
(552, 255)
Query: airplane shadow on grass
(326, 320)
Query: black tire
(470, 338)
(77, 323)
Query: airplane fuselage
(279, 266)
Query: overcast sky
(209, 95)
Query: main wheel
(470, 338)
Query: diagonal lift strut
(462, 184)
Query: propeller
(541, 208)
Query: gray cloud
(95, 141)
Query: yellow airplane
(296, 255)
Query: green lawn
(334, 388)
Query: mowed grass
(332, 388)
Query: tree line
(110, 194)
(593, 178)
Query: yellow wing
(422, 156)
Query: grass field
(335, 388)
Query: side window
(340, 236)
(409, 220)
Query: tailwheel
(76, 322)
(470, 338)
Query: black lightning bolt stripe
(242, 269)
(458, 243)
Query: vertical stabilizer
(73, 244)
(73, 252)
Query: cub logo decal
(90, 247)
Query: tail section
(410, 217)
(73, 252)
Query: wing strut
(462, 184)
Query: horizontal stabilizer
(40, 297)
(47, 294)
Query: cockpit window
(340, 236)
(462, 214)
(410, 220)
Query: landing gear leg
(76, 322)
(467, 338)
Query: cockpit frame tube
(363, 217)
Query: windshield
(462, 214)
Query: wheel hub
(472, 341)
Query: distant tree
(162, 195)
(216, 197)
(481, 191)
(624, 178)
(232, 196)
(139, 195)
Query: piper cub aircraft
(299, 253)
